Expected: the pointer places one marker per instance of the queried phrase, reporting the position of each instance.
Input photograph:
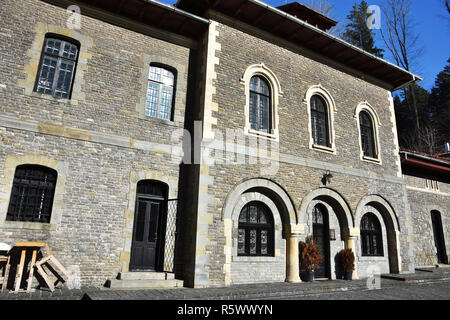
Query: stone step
(144, 284)
(145, 276)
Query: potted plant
(310, 258)
(347, 262)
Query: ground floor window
(371, 236)
(32, 194)
(255, 231)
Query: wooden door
(144, 251)
(321, 237)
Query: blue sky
(433, 30)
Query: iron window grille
(32, 194)
(371, 236)
(260, 105)
(160, 93)
(57, 68)
(367, 135)
(319, 121)
(255, 231)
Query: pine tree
(358, 33)
(440, 103)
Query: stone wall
(422, 201)
(99, 141)
(298, 168)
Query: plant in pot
(310, 258)
(347, 262)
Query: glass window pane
(47, 74)
(64, 78)
(253, 214)
(241, 241)
(53, 46)
(152, 99)
(160, 93)
(252, 241)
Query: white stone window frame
(11, 163)
(376, 124)
(331, 110)
(275, 93)
(245, 199)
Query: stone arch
(335, 200)
(392, 226)
(284, 214)
(268, 188)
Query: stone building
(203, 141)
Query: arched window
(160, 93)
(32, 194)
(255, 231)
(260, 108)
(367, 135)
(371, 236)
(319, 121)
(57, 67)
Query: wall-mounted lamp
(326, 179)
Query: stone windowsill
(372, 258)
(323, 149)
(371, 160)
(51, 98)
(28, 225)
(264, 135)
(253, 259)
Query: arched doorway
(438, 236)
(148, 233)
(327, 216)
(321, 236)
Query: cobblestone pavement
(413, 291)
(421, 285)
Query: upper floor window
(260, 109)
(371, 236)
(368, 143)
(57, 67)
(32, 194)
(319, 121)
(255, 232)
(160, 93)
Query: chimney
(447, 147)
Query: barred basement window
(319, 121)
(367, 135)
(57, 67)
(160, 93)
(371, 236)
(32, 194)
(260, 108)
(255, 231)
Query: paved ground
(427, 284)
(437, 290)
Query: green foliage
(357, 32)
